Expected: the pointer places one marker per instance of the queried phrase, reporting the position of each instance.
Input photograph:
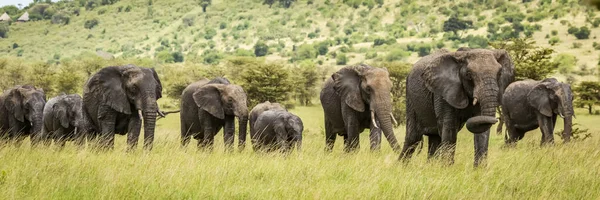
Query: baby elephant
(63, 120)
(260, 108)
(277, 130)
(529, 104)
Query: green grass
(168, 172)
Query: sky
(15, 2)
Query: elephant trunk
(149, 114)
(243, 124)
(383, 110)
(487, 96)
(298, 141)
(37, 123)
(567, 128)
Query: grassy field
(168, 172)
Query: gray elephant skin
(353, 99)
(446, 90)
(63, 120)
(529, 104)
(260, 108)
(207, 106)
(277, 130)
(115, 101)
(21, 109)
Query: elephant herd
(444, 92)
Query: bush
(576, 45)
(60, 18)
(341, 59)
(554, 32)
(583, 33)
(188, 20)
(4, 30)
(553, 41)
(165, 56)
(177, 57)
(89, 24)
(565, 62)
(531, 61)
(396, 55)
(261, 49)
(371, 55)
(209, 33)
(304, 52)
(266, 82)
(424, 50)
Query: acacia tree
(204, 4)
(266, 82)
(454, 24)
(587, 95)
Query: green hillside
(361, 29)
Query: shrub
(165, 56)
(565, 62)
(371, 55)
(554, 32)
(341, 59)
(209, 33)
(424, 50)
(266, 82)
(188, 20)
(396, 55)
(553, 41)
(91, 23)
(60, 18)
(177, 56)
(304, 52)
(261, 49)
(531, 61)
(583, 33)
(4, 30)
(576, 45)
(323, 48)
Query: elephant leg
(481, 147)
(351, 143)
(107, 123)
(547, 127)
(60, 138)
(412, 139)
(133, 135)
(329, 136)
(434, 142)
(449, 129)
(512, 137)
(229, 132)
(209, 135)
(185, 134)
(375, 137)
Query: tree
(204, 4)
(286, 3)
(531, 61)
(341, 59)
(266, 82)
(261, 49)
(269, 2)
(587, 94)
(4, 30)
(454, 24)
(305, 79)
(89, 24)
(583, 33)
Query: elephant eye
(469, 75)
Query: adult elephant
(445, 90)
(530, 104)
(207, 106)
(277, 130)
(260, 108)
(21, 110)
(116, 99)
(355, 98)
(63, 120)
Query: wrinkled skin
(441, 92)
(21, 110)
(63, 120)
(277, 130)
(115, 101)
(207, 106)
(530, 104)
(260, 108)
(353, 99)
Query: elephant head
(551, 97)
(224, 99)
(134, 89)
(361, 86)
(68, 111)
(26, 104)
(262, 107)
(289, 130)
(471, 75)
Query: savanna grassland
(563, 171)
(295, 48)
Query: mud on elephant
(207, 106)
(21, 110)
(355, 98)
(115, 101)
(445, 90)
(529, 104)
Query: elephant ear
(208, 98)
(158, 84)
(113, 88)
(538, 98)
(60, 113)
(15, 104)
(442, 77)
(507, 73)
(346, 83)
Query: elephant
(260, 108)
(355, 98)
(530, 104)
(207, 106)
(439, 90)
(63, 120)
(115, 101)
(21, 109)
(277, 130)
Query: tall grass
(528, 171)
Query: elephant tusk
(561, 115)
(160, 113)
(373, 119)
(393, 119)
(474, 100)
(75, 132)
(140, 114)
